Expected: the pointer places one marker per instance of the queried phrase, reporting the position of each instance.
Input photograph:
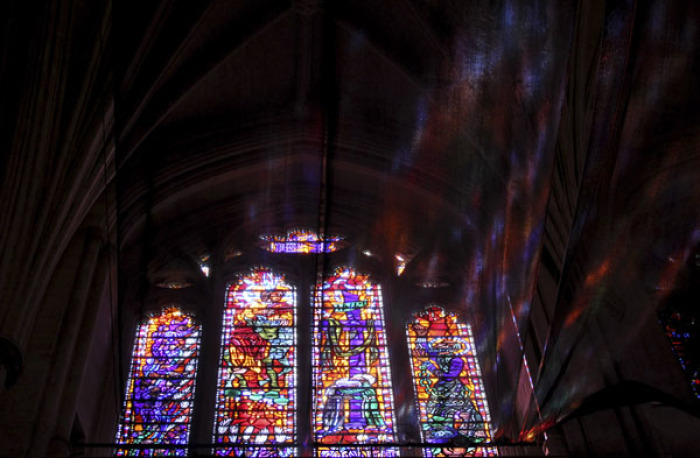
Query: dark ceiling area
(540, 161)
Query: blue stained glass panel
(160, 389)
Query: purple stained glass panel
(301, 241)
(160, 389)
(353, 398)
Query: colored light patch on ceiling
(160, 388)
(448, 386)
(353, 405)
(301, 241)
(256, 390)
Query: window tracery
(302, 241)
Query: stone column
(64, 354)
(80, 350)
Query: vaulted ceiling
(541, 158)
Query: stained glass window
(256, 389)
(682, 327)
(301, 241)
(160, 389)
(447, 381)
(353, 401)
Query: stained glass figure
(256, 391)
(353, 400)
(301, 241)
(160, 389)
(447, 381)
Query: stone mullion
(211, 320)
(304, 342)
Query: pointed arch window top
(261, 288)
(301, 241)
(348, 278)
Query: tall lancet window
(160, 389)
(682, 326)
(447, 380)
(353, 400)
(256, 391)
